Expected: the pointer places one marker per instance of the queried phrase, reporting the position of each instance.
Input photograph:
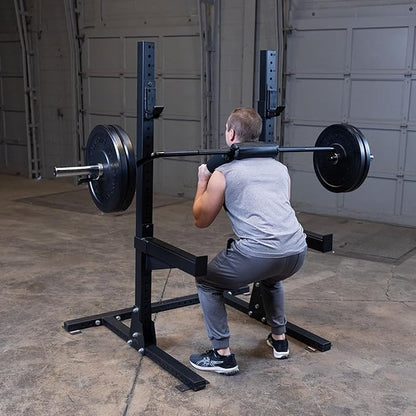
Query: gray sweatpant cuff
(280, 330)
(220, 343)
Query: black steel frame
(267, 105)
(152, 254)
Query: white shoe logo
(207, 362)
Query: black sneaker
(280, 347)
(212, 361)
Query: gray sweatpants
(230, 270)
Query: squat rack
(154, 254)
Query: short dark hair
(247, 124)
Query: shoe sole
(276, 354)
(220, 370)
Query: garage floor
(62, 259)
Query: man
(271, 244)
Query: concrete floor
(62, 259)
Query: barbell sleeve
(95, 171)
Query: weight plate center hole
(338, 154)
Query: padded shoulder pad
(215, 161)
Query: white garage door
(109, 62)
(13, 138)
(355, 66)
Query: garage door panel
(377, 49)
(409, 198)
(94, 120)
(13, 93)
(145, 11)
(310, 99)
(11, 58)
(412, 106)
(373, 100)
(414, 51)
(105, 94)
(15, 127)
(182, 98)
(314, 48)
(131, 128)
(186, 64)
(130, 94)
(299, 161)
(91, 11)
(315, 99)
(17, 159)
(384, 145)
(3, 155)
(104, 55)
(376, 195)
(410, 163)
(121, 9)
(181, 135)
(302, 135)
(307, 190)
(13, 137)
(178, 171)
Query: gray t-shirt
(257, 202)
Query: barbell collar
(93, 171)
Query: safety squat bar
(236, 152)
(154, 254)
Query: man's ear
(232, 135)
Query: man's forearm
(209, 196)
(197, 208)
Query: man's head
(243, 125)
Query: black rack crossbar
(168, 304)
(319, 242)
(176, 368)
(115, 325)
(308, 338)
(173, 256)
(292, 330)
(113, 317)
(95, 320)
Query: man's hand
(203, 173)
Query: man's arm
(209, 197)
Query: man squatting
(270, 244)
